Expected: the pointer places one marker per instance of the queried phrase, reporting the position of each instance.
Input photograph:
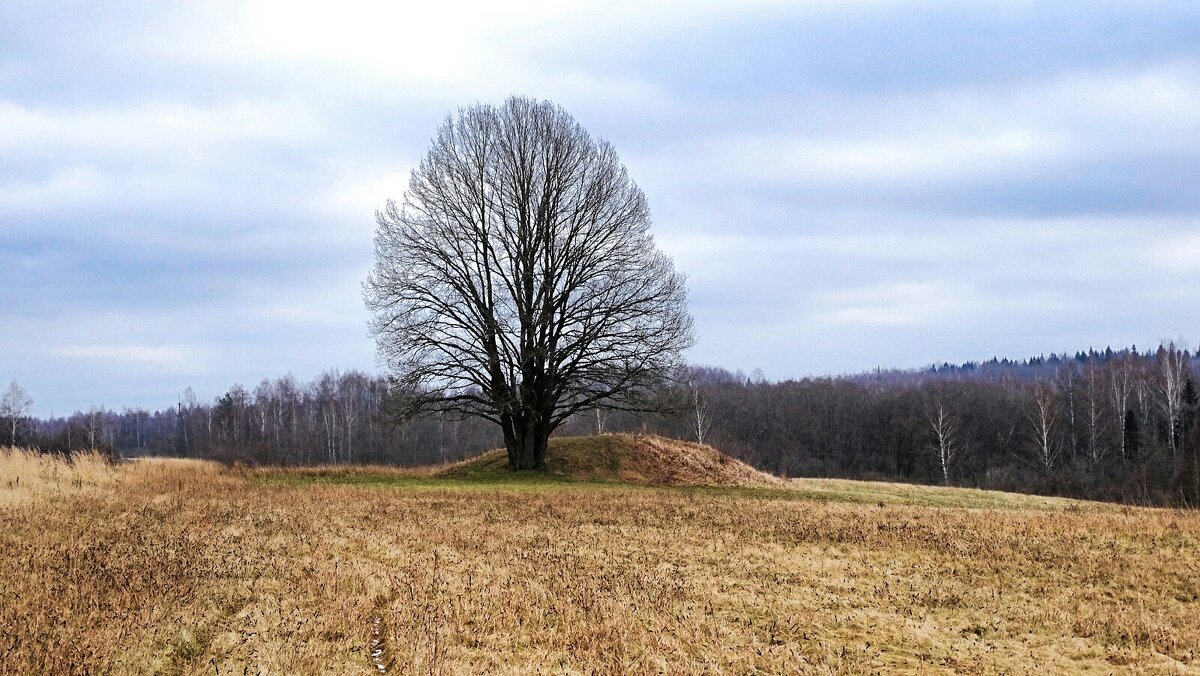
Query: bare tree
(944, 426)
(352, 392)
(325, 392)
(701, 417)
(1173, 371)
(519, 281)
(1067, 378)
(14, 407)
(137, 419)
(1043, 419)
(94, 426)
(1121, 384)
(1144, 390)
(1093, 413)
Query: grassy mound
(624, 458)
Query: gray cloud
(186, 192)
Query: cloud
(900, 146)
(915, 159)
(367, 191)
(442, 42)
(1178, 254)
(897, 304)
(163, 129)
(158, 355)
(846, 184)
(74, 185)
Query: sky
(188, 189)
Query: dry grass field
(187, 567)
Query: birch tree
(945, 434)
(1172, 373)
(1093, 399)
(701, 417)
(14, 406)
(1068, 382)
(1043, 420)
(1121, 384)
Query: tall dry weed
(26, 474)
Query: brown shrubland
(188, 567)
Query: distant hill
(626, 458)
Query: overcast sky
(187, 190)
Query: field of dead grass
(25, 475)
(187, 567)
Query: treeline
(336, 418)
(1112, 425)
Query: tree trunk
(507, 424)
(541, 443)
(526, 444)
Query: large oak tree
(518, 280)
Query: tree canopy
(518, 280)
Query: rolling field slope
(188, 567)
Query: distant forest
(1112, 425)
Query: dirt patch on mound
(628, 458)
